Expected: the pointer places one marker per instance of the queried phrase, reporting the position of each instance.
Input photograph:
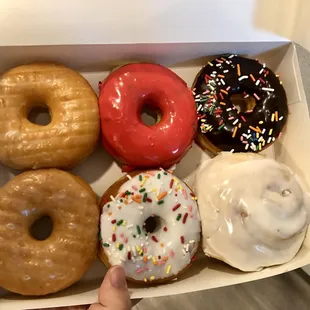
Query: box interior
(100, 170)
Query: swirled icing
(255, 211)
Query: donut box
(96, 37)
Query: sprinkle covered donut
(35, 266)
(149, 224)
(231, 81)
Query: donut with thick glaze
(254, 211)
(124, 93)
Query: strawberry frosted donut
(123, 96)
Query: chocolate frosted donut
(231, 81)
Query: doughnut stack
(249, 211)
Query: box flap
(57, 22)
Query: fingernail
(118, 279)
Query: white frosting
(254, 211)
(151, 260)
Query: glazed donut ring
(262, 101)
(150, 224)
(124, 94)
(39, 267)
(73, 131)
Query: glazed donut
(149, 224)
(38, 267)
(73, 131)
(262, 102)
(124, 93)
(254, 211)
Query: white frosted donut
(254, 211)
(151, 226)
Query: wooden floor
(289, 291)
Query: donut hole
(153, 224)
(243, 105)
(42, 228)
(150, 114)
(39, 115)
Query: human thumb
(113, 292)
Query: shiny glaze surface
(219, 120)
(254, 210)
(159, 255)
(33, 267)
(73, 131)
(123, 94)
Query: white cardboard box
(94, 36)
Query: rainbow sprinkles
(260, 115)
(151, 227)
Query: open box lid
(75, 22)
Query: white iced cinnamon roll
(254, 211)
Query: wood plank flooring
(290, 291)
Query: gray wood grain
(289, 291)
